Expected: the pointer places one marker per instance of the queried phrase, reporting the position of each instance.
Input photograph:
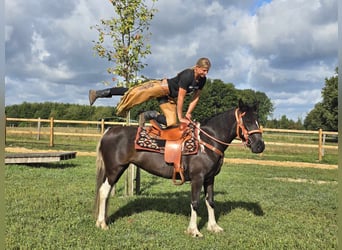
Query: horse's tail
(100, 175)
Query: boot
(94, 94)
(151, 114)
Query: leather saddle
(174, 138)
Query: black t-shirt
(185, 80)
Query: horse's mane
(214, 116)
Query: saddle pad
(145, 142)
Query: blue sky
(257, 4)
(285, 49)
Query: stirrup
(179, 182)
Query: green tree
(102, 112)
(325, 113)
(264, 103)
(216, 97)
(129, 33)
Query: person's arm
(193, 104)
(180, 102)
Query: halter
(239, 125)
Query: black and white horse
(116, 151)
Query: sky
(284, 48)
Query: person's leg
(105, 93)
(169, 109)
(141, 93)
(152, 114)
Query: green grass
(50, 206)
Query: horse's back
(118, 139)
(116, 132)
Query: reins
(239, 125)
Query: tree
(265, 106)
(325, 113)
(284, 123)
(129, 32)
(216, 97)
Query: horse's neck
(222, 127)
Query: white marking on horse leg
(192, 228)
(212, 225)
(103, 195)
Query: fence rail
(321, 135)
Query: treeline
(59, 111)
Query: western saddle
(174, 138)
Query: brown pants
(144, 92)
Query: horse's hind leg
(102, 197)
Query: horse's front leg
(209, 201)
(195, 196)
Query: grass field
(50, 206)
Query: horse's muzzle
(257, 146)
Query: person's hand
(184, 120)
(188, 116)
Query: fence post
(138, 174)
(102, 126)
(51, 132)
(262, 131)
(129, 182)
(38, 129)
(5, 128)
(320, 144)
(323, 143)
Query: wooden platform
(21, 158)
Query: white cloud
(283, 48)
(8, 32)
(38, 47)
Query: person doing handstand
(170, 94)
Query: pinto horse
(116, 150)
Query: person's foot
(92, 96)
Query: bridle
(245, 133)
(239, 125)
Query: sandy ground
(226, 160)
(281, 163)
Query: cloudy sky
(284, 48)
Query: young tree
(128, 32)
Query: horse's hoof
(102, 225)
(215, 228)
(194, 232)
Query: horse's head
(248, 129)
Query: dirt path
(226, 160)
(281, 163)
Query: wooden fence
(321, 135)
